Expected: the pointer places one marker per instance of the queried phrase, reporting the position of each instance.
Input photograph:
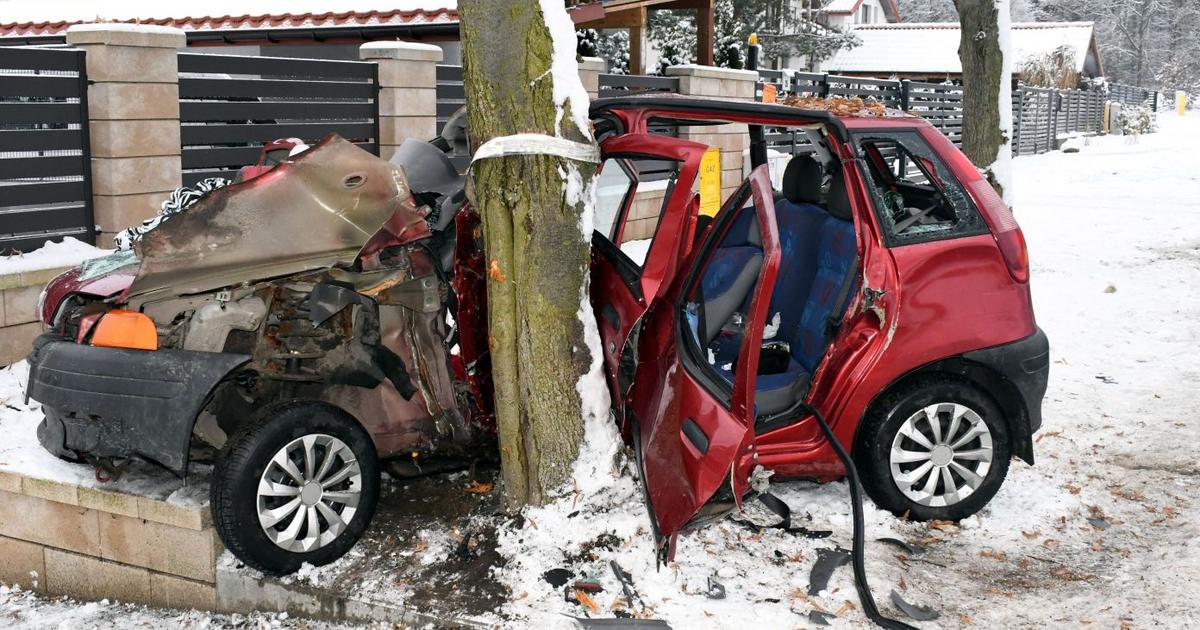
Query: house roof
(932, 47)
(34, 18)
(847, 7)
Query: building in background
(929, 51)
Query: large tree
(521, 77)
(984, 50)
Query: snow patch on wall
(68, 253)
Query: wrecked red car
(298, 322)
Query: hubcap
(309, 492)
(941, 454)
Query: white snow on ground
(1114, 237)
(1101, 533)
(68, 253)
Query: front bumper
(113, 402)
(1025, 367)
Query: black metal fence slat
(39, 113)
(37, 86)
(37, 167)
(209, 88)
(33, 58)
(48, 219)
(197, 111)
(213, 134)
(18, 194)
(278, 66)
(39, 139)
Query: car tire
(297, 484)
(898, 449)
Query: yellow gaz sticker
(710, 182)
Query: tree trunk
(987, 88)
(537, 256)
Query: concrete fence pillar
(133, 117)
(590, 69)
(732, 139)
(407, 91)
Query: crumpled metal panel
(315, 211)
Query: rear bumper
(1025, 366)
(112, 402)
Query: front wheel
(936, 449)
(298, 484)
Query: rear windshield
(916, 196)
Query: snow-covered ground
(1102, 532)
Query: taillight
(1004, 228)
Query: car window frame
(969, 220)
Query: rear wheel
(298, 484)
(937, 449)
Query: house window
(864, 14)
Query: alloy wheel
(309, 492)
(941, 454)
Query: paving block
(49, 523)
(187, 517)
(105, 501)
(10, 482)
(50, 490)
(16, 341)
(177, 551)
(22, 563)
(20, 305)
(85, 577)
(175, 592)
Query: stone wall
(64, 539)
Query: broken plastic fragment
(716, 590)
(820, 618)
(912, 549)
(558, 577)
(828, 560)
(920, 613)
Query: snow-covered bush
(1135, 120)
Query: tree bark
(984, 77)
(537, 256)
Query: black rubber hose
(860, 567)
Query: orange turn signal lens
(125, 329)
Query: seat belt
(839, 308)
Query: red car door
(623, 290)
(691, 422)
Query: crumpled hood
(315, 211)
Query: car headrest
(802, 180)
(838, 203)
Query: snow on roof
(932, 47)
(846, 7)
(38, 17)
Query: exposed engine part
(212, 323)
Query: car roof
(713, 108)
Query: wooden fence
(231, 105)
(45, 170)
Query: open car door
(693, 419)
(624, 287)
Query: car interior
(816, 278)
